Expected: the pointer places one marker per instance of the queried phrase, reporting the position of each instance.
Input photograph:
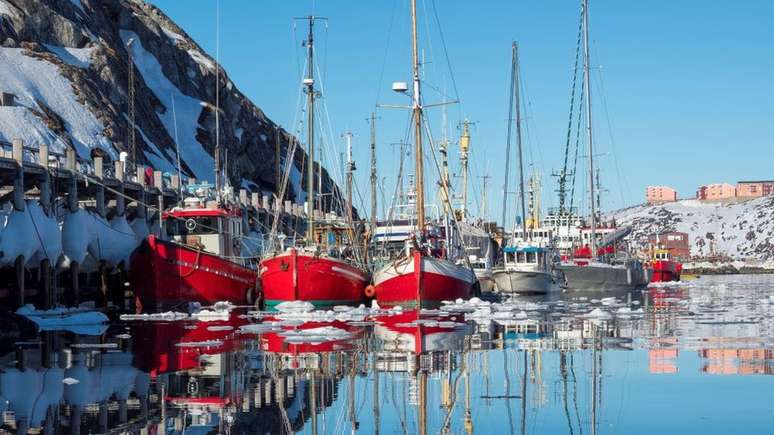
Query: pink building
(754, 189)
(716, 191)
(660, 194)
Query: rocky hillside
(67, 63)
(739, 230)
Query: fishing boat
(599, 265)
(526, 269)
(527, 266)
(323, 269)
(432, 268)
(200, 261)
(200, 254)
(664, 267)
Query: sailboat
(527, 266)
(586, 271)
(323, 269)
(427, 272)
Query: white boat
(526, 269)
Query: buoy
(370, 291)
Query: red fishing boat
(434, 266)
(664, 267)
(323, 274)
(423, 281)
(324, 270)
(201, 261)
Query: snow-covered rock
(738, 230)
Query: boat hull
(599, 276)
(518, 281)
(485, 280)
(422, 281)
(664, 271)
(300, 276)
(168, 274)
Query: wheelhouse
(526, 257)
(214, 230)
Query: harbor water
(689, 357)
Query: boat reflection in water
(570, 364)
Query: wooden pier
(58, 184)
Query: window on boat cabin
(199, 225)
(531, 257)
(520, 257)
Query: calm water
(694, 358)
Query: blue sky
(682, 93)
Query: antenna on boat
(373, 171)
(218, 151)
(177, 149)
(589, 134)
(132, 136)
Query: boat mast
(464, 149)
(310, 95)
(508, 135)
(518, 141)
(589, 136)
(373, 171)
(417, 109)
(350, 170)
(218, 151)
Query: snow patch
(187, 110)
(80, 57)
(32, 79)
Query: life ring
(190, 224)
(370, 291)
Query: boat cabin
(662, 255)
(214, 230)
(526, 257)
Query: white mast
(310, 95)
(417, 109)
(587, 85)
(518, 143)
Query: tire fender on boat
(370, 291)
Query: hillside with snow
(741, 230)
(66, 62)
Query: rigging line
(447, 195)
(563, 175)
(446, 55)
(508, 139)
(577, 147)
(622, 181)
(386, 52)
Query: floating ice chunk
(205, 343)
(259, 328)
(165, 317)
(217, 328)
(375, 305)
(295, 307)
(315, 335)
(70, 319)
(210, 316)
(608, 301)
(600, 314)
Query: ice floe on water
(219, 311)
(78, 320)
(315, 335)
